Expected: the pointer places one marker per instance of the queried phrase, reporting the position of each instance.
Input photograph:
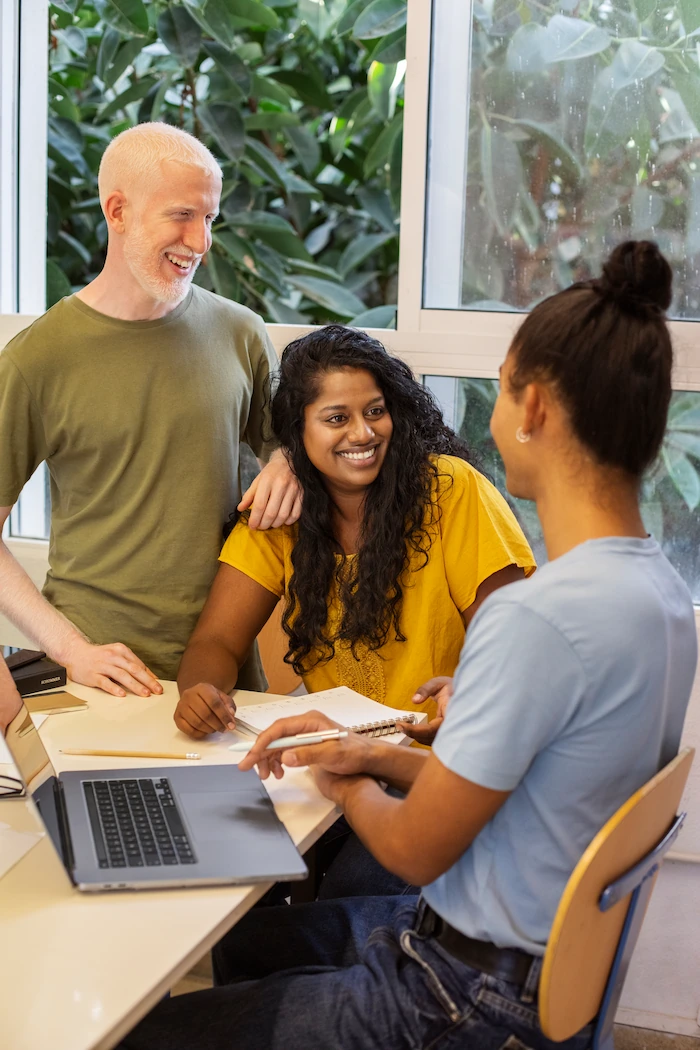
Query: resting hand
(203, 709)
(440, 690)
(275, 495)
(344, 757)
(113, 668)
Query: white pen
(302, 740)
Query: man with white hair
(137, 392)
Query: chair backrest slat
(584, 939)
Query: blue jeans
(345, 975)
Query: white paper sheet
(343, 705)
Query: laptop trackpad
(213, 814)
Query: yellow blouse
(476, 535)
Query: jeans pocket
(500, 1001)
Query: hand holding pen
(284, 743)
(343, 753)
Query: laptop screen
(28, 752)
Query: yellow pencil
(130, 754)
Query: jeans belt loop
(528, 993)
(426, 920)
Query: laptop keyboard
(136, 823)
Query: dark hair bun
(637, 276)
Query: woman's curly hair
(398, 509)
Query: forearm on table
(396, 766)
(208, 661)
(24, 605)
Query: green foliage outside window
(670, 491)
(302, 103)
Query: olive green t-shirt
(139, 423)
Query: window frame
(441, 343)
(23, 152)
(462, 343)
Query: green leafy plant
(300, 100)
(583, 130)
(681, 447)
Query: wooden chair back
(273, 644)
(583, 941)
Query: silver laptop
(118, 829)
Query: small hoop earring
(522, 436)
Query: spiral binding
(385, 728)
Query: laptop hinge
(65, 846)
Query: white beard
(139, 258)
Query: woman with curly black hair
(399, 542)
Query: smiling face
(167, 229)
(347, 429)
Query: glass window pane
(670, 492)
(474, 400)
(558, 130)
(30, 518)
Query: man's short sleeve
(259, 555)
(502, 712)
(22, 438)
(258, 431)
(479, 532)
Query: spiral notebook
(343, 705)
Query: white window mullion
(9, 93)
(23, 135)
(32, 122)
(447, 158)
(23, 207)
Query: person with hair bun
(399, 542)
(604, 348)
(570, 694)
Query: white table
(78, 970)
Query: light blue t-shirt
(571, 692)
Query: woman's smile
(359, 457)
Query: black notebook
(32, 677)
